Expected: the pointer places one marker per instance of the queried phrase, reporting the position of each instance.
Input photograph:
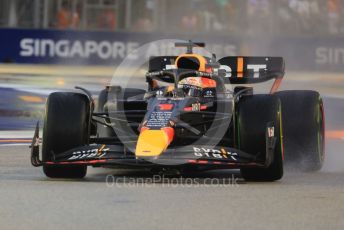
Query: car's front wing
(102, 155)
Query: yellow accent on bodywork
(151, 143)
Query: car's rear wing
(247, 70)
(236, 70)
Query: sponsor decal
(271, 131)
(164, 107)
(159, 119)
(83, 49)
(196, 107)
(99, 46)
(329, 55)
(254, 68)
(209, 93)
(215, 153)
(90, 153)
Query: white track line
(16, 144)
(16, 134)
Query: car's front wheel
(66, 126)
(253, 114)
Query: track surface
(28, 200)
(31, 201)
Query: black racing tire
(66, 126)
(253, 113)
(304, 129)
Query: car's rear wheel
(253, 114)
(303, 119)
(66, 126)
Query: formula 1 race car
(193, 122)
